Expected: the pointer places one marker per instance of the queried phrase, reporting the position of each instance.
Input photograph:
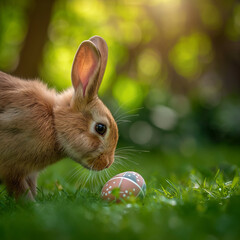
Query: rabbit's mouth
(97, 164)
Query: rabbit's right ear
(85, 69)
(101, 45)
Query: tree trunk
(31, 54)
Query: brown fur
(39, 127)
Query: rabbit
(39, 126)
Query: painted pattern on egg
(128, 183)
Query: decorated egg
(124, 186)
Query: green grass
(188, 197)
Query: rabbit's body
(28, 137)
(39, 127)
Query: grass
(188, 197)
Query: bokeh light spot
(141, 132)
(128, 93)
(164, 117)
(59, 74)
(149, 63)
(186, 54)
(181, 104)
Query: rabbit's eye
(100, 128)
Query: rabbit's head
(86, 129)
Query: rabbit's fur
(39, 126)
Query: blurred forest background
(173, 78)
(174, 65)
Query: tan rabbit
(39, 127)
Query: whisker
(124, 153)
(122, 121)
(76, 172)
(82, 182)
(113, 167)
(127, 112)
(128, 160)
(126, 117)
(101, 179)
(119, 107)
(71, 172)
(121, 163)
(92, 180)
(126, 147)
(87, 179)
(108, 176)
(77, 184)
(129, 149)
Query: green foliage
(186, 54)
(178, 59)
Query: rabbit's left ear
(85, 71)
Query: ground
(188, 197)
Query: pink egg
(123, 186)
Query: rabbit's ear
(101, 45)
(85, 70)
